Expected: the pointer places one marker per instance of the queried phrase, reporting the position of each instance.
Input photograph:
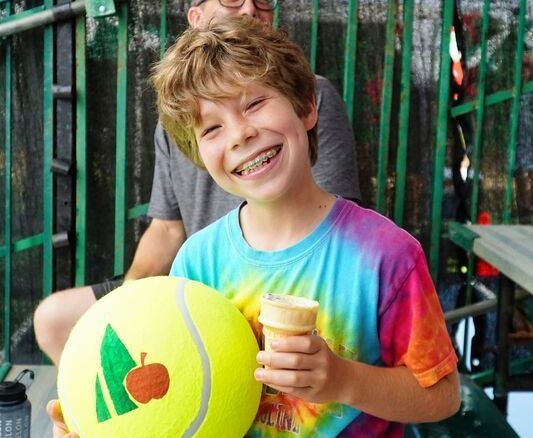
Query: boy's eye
(254, 103)
(209, 130)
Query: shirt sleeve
(163, 202)
(412, 330)
(336, 168)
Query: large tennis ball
(160, 357)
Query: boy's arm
(395, 395)
(418, 382)
(305, 367)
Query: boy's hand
(60, 429)
(302, 366)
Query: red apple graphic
(148, 381)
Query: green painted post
(350, 58)
(517, 366)
(48, 144)
(140, 210)
(405, 106)
(22, 14)
(137, 211)
(121, 128)
(163, 29)
(480, 111)
(515, 112)
(7, 198)
(386, 106)
(81, 152)
(478, 144)
(28, 242)
(4, 370)
(441, 136)
(23, 244)
(314, 35)
(490, 100)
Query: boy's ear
(311, 118)
(194, 16)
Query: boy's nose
(242, 134)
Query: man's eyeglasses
(262, 5)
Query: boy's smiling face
(253, 143)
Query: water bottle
(15, 408)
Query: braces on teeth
(257, 162)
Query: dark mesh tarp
(295, 15)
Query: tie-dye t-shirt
(377, 305)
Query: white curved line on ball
(206, 367)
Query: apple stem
(143, 355)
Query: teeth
(252, 165)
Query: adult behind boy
(382, 356)
(185, 199)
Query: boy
(185, 199)
(239, 98)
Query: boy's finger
(58, 433)
(298, 344)
(303, 393)
(285, 378)
(287, 361)
(62, 432)
(53, 408)
(285, 389)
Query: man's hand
(56, 415)
(302, 366)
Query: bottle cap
(14, 392)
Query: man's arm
(166, 233)
(157, 248)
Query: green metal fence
(382, 45)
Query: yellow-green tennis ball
(160, 357)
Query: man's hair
(233, 51)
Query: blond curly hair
(228, 52)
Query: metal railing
(399, 15)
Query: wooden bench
(509, 248)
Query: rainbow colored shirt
(377, 305)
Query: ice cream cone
(285, 315)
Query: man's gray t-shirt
(182, 191)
